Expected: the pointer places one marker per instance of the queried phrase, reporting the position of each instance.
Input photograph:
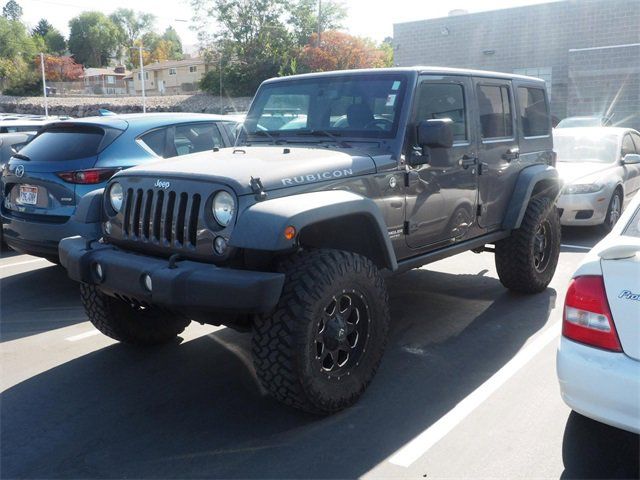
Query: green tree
(304, 18)
(12, 11)
(55, 42)
(174, 43)
(15, 41)
(131, 27)
(42, 28)
(93, 39)
(252, 40)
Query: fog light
(146, 281)
(220, 245)
(98, 272)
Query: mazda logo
(19, 171)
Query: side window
(444, 100)
(196, 138)
(533, 113)
(627, 146)
(636, 140)
(495, 111)
(155, 140)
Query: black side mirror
(435, 133)
(432, 135)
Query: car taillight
(587, 318)
(89, 176)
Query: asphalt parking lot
(467, 388)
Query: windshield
(586, 147)
(346, 106)
(580, 122)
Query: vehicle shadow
(594, 450)
(37, 301)
(582, 236)
(195, 409)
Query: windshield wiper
(20, 156)
(325, 133)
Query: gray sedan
(600, 167)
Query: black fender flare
(89, 209)
(534, 180)
(261, 226)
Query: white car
(598, 360)
(600, 168)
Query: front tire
(129, 323)
(527, 260)
(321, 346)
(613, 211)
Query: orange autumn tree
(60, 69)
(340, 51)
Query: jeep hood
(276, 166)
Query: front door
(498, 148)
(441, 195)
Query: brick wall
(537, 36)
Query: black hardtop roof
(419, 69)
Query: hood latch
(258, 189)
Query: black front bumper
(188, 285)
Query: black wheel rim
(542, 246)
(342, 334)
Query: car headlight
(578, 188)
(223, 208)
(116, 195)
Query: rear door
(498, 148)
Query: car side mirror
(631, 159)
(431, 135)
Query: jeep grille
(164, 217)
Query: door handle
(512, 154)
(467, 161)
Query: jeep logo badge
(162, 184)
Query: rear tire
(130, 324)
(321, 346)
(527, 260)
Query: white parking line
(579, 247)
(23, 263)
(417, 447)
(82, 336)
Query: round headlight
(116, 194)
(223, 208)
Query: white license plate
(28, 195)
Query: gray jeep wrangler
(337, 180)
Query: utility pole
(220, 71)
(319, 21)
(44, 86)
(144, 99)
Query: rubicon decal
(628, 295)
(317, 177)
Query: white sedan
(598, 360)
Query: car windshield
(633, 227)
(347, 106)
(580, 122)
(586, 147)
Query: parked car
(593, 121)
(601, 170)
(290, 235)
(598, 360)
(44, 182)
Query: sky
(368, 18)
